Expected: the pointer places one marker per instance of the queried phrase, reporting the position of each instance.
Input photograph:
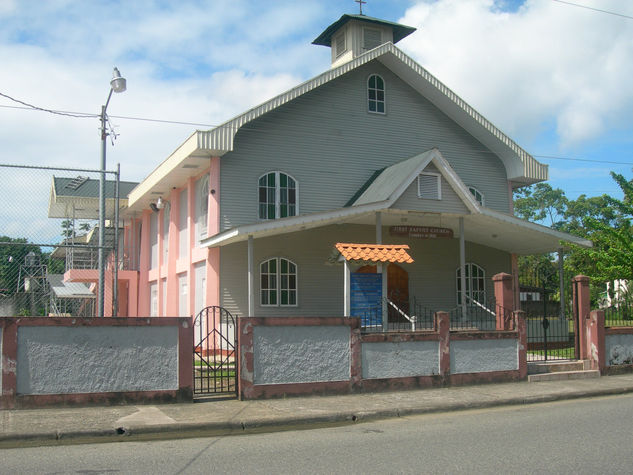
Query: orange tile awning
(375, 252)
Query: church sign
(421, 232)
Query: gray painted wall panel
(618, 349)
(329, 142)
(301, 354)
(481, 356)
(397, 360)
(1, 359)
(63, 360)
(320, 284)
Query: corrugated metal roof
(89, 188)
(391, 178)
(521, 167)
(220, 139)
(399, 31)
(68, 290)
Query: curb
(254, 426)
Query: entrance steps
(560, 370)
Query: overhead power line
(79, 115)
(594, 9)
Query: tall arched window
(278, 283)
(202, 206)
(376, 94)
(277, 196)
(475, 284)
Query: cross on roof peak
(360, 5)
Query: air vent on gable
(190, 166)
(371, 38)
(429, 186)
(339, 43)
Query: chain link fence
(49, 241)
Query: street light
(117, 84)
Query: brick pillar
(581, 303)
(521, 328)
(443, 326)
(595, 343)
(9, 355)
(245, 358)
(356, 370)
(504, 297)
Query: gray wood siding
(450, 202)
(328, 141)
(320, 284)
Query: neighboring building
(617, 294)
(375, 150)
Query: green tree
(68, 228)
(12, 254)
(541, 203)
(612, 236)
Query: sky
(553, 75)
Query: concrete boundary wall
(62, 361)
(329, 355)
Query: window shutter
(340, 44)
(429, 186)
(371, 38)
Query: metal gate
(551, 324)
(214, 355)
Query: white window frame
(153, 299)
(153, 240)
(202, 206)
(480, 279)
(376, 90)
(278, 190)
(478, 195)
(166, 224)
(276, 289)
(425, 195)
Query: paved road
(580, 436)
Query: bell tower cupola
(352, 35)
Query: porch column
(582, 308)
(561, 282)
(346, 287)
(381, 270)
(462, 265)
(251, 279)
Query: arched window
(475, 284)
(166, 221)
(479, 196)
(376, 94)
(202, 206)
(277, 196)
(278, 283)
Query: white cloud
(545, 61)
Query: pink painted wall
(168, 269)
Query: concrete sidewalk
(232, 417)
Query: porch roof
(486, 227)
(396, 253)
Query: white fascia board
(291, 224)
(456, 182)
(191, 150)
(570, 238)
(435, 156)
